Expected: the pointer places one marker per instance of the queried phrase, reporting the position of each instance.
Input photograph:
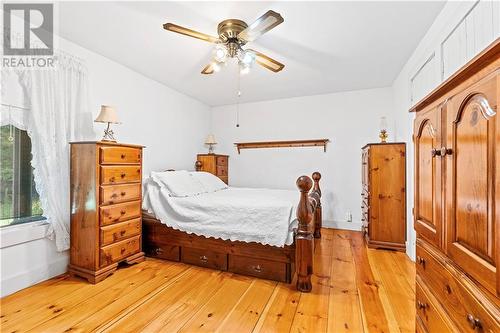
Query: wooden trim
(282, 144)
(107, 143)
(483, 59)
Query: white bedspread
(239, 214)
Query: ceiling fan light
(247, 58)
(216, 66)
(244, 69)
(220, 53)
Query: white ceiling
(325, 46)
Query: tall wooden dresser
(215, 164)
(384, 195)
(457, 200)
(106, 199)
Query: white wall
(171, 125)
(348, 119)
(464, 27)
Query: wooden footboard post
(318, 218)
(304, 240)
(198, 165)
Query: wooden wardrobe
(457, 200)
(384, 195)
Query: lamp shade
(383, 123)
(107, 115)
(210, 140)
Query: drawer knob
(122, 212)
(123, 250)
(123, 232)
(420, 260)
(122, 156)
(435, 152)
(114, 195)
(157, 251)
(473, 321)
(123, 175)
(421, 305)
(203, 259)
(123, 193)
(257, 268)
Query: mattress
(265, 216)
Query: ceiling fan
(233, 35)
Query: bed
(193, 217)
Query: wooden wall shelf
(282, 144)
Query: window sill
(22, 233)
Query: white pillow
(209, 182)
(178, 183)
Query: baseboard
(355, 226)
(33, 276)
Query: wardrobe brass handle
(473, 321)
(257, 268)
(420, 260)
(435, 152)
(421, 305)
(445, 151)
(204, 259)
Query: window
(19, 202)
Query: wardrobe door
(428, 199)
(472, 183)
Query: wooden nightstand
(215, 164)
(106, 226)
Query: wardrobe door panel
(427, 207)
(471, 156)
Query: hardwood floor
(355, 289)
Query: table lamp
(107, 115)
(210, 141)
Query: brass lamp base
(383, 136)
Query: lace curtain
(58, 113)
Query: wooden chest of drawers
(106, 190)
(383, 197)
(215, 164)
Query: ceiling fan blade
(209, 69)
(267, 62)
(262, 25)
(188, 32)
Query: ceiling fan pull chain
(238, 100)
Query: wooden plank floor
(355, 290)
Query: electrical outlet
(348, 217)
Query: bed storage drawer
(204, 258)
(120, 155)
(116, 232)
(162, 251)
(119, 212)
(111, 194)
(120, 250)
(261, 268)
(120, 174)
